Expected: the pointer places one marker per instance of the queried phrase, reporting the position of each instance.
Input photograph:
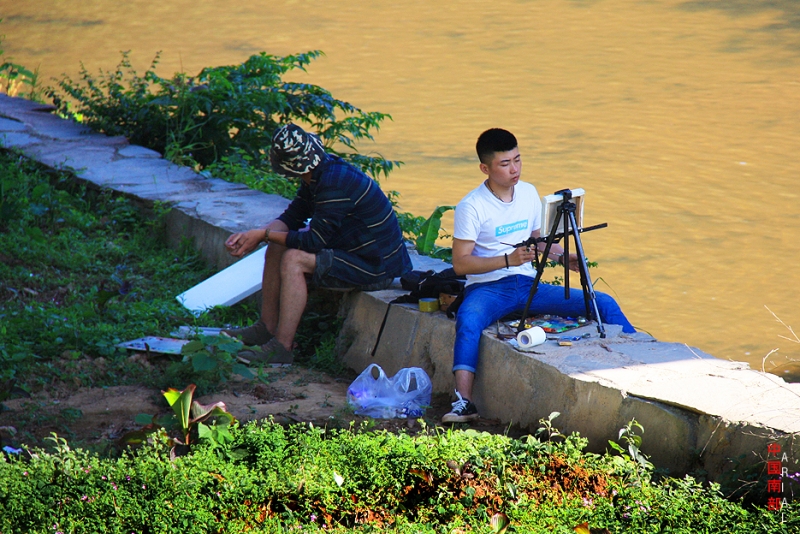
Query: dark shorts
(321, 278)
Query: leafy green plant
(210, 361)
(424, 232)
(194, 421)
(633, 460)
(227, 111)
(215, 354)
(547, 429)
(428, 234)
(15, 78)
(193, 415)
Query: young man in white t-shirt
(503, 211)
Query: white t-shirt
(485, 219)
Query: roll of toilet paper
(531, 337)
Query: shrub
(225, 112)
(269, 478)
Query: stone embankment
(697, 411)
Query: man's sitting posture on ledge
(499, 277)
(352, 242)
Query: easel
(566, 213)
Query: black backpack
(427, 284)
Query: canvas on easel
(550, 205)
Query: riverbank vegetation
(81, 270)
(220, 122)
(267, 478)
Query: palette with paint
(551, 324)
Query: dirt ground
(98, 417)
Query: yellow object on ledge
(428, 305)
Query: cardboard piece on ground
(161, 345)
(228, 286)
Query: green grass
(82, 270)
(79, 273)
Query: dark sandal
(272, 353)
(254, 335)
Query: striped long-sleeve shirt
(351, 216)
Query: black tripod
(565, 212)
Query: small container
(428, 305)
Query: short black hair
(494, 140)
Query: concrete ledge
(697, 411)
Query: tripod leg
(539, 271)
(569, 215)
(584, 274)
(585, 279)
(582, 267)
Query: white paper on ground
(163, 345)
(228, 286)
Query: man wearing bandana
(353, 241)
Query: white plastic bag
(406, 394)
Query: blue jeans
(486, 303)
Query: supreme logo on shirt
(511, 228)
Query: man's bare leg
(271, 286)
(463, 410)
(464, 381)
(295, 264)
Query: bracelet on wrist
(506, 256)
(266, 235)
